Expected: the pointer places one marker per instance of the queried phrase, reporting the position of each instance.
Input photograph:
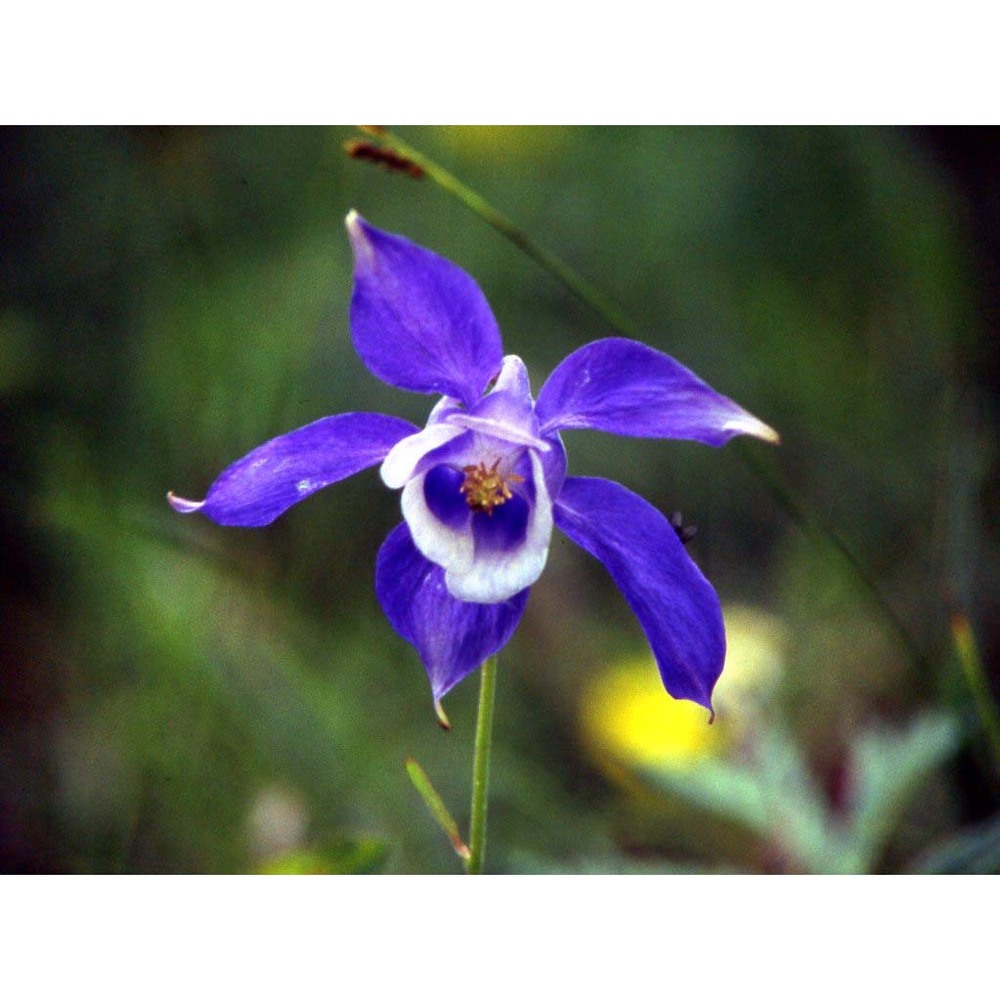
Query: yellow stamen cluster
(485, 488)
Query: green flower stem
(481, 767)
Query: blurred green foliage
(182, 697)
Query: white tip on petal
(364, 253)
(747, 423)
(183, 506)
(442, 718)
(513, 377)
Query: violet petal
(418, 321)
(260, 486)
(624, 387)
(452, 637)
(676, 606)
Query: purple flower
(485, 481)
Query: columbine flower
(485, 481)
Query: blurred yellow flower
(626, 718)
(626, 715)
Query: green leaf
(773, 795)
(888, 766)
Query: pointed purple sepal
(676, 606)
(264, 484)
(452, 637)
(624, 387)
(418, 321)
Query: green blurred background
(183, 697)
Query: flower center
(485, 488)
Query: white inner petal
(498, 429)
(495, 575)
(397, 468)
(450, 549)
